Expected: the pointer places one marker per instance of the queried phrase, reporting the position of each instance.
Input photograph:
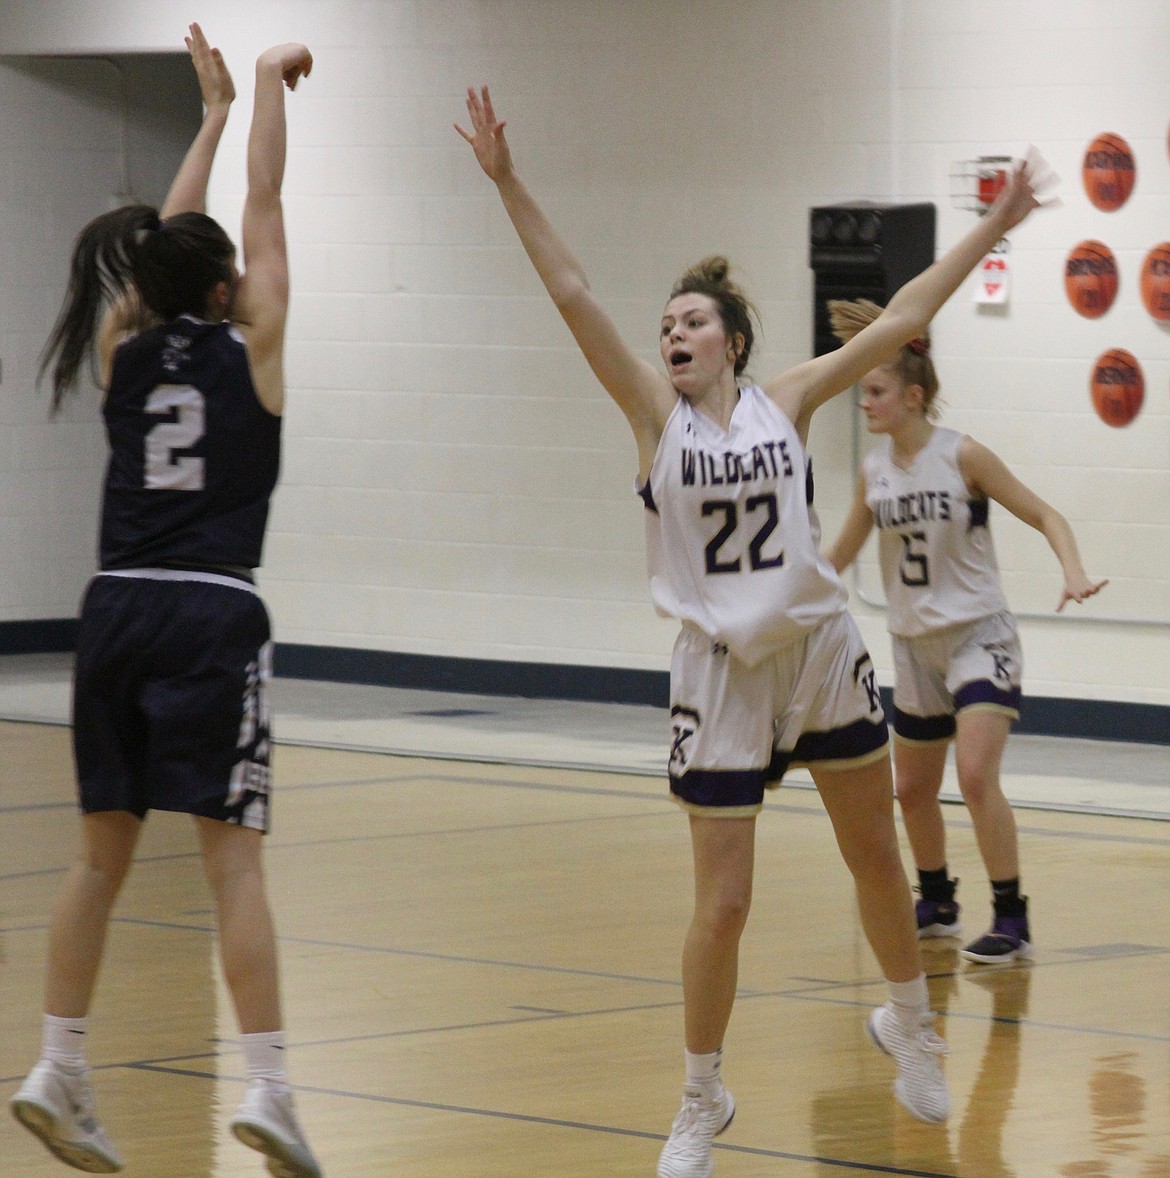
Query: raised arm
(986, 474)
(125, 315)
(261, 302)
(854, 531)
(642, 392)
(188, 191)
(802, 389)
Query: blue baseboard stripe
(47, 636)
(386, 668)
(1088, 719)
(1039, 715)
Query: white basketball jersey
(934, 542)
(731, 536)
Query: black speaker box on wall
(864, 251)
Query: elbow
(569, 293)
(904, 315)
(1051, 524)
(907, 321)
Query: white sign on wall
(994, 277)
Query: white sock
(703, 1070)
(264, 1055)
(910, 1000)
(63, 1041)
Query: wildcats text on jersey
(767, 460)
(915, 508)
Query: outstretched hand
(1029, 187)
(215, 82)
(1078, 589)
(292, 59)
(487, 135)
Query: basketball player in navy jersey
(769, 669)
(958, 665)
(174, 652)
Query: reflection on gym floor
(481, 972)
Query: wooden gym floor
(480, 972)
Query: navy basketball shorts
(976, 664)
(736, 729)
(170, 706)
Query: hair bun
(711, 272)
(714, 270)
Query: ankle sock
(703, 1071)
(264, 1054)
(910, 1000)
(937, 885)
(1006, 898)
(63, 1041)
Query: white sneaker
(687, 1152)
(921, 1086)
(266, 1122)
(58, 1106)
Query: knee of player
(105, 874)
(915, 790)
(725, 915)
(978, 783)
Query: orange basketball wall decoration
(1108, 172)
(1117, 387)
(1090, 278)
(1156, 282)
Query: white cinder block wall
(75, 140)
(455, 481)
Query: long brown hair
(171, 266)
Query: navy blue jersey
(194, 456)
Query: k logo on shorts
(684, 723)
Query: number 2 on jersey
(162, 470)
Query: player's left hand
(1078, 590)
(1030, 186)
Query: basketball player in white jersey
(769, 669)
(957, 659)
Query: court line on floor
(806, 990)
(276, 845)
(770, 805)
(640, 769)
(559, 1123)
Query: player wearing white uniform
(732, 548)
(957, 658)
(938, 564)
(785, 672)
(933, 537)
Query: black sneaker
(1008, 940)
